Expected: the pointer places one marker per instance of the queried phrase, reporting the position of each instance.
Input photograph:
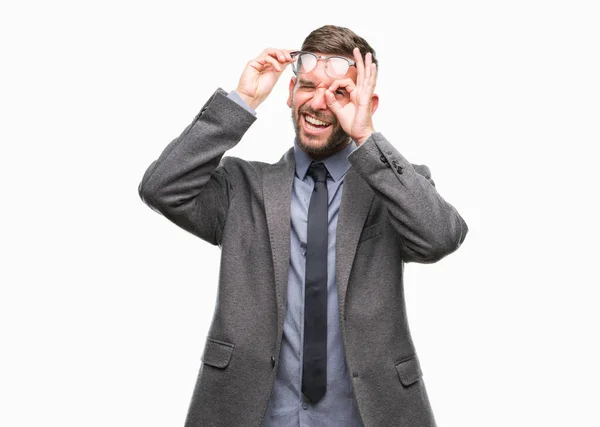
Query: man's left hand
(356, 117)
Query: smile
(313, 125)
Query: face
(317, 129)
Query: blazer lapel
(356, 201)
(277, 192)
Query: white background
(105, 305)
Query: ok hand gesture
(356, 117)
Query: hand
(261, 74)
(356, 117)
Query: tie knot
(318, 172)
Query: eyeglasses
(335, 66)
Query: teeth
(314, 121)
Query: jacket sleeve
(191, 183)
(430, 228)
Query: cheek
(297, 103)
(302, 98)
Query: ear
(291, 88)
(375, 101)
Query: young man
(310, 328)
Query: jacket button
(272, 361)
(383, 159)
(399, 170)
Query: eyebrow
(305, 82)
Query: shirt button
(273, 361)
(304, 405)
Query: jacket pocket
(217, 353)
(370, 232)
(409, 371)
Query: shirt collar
(337, 164)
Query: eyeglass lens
(334, 67)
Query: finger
(279, 60)
(273, 62)
(266, 65)
(373, 79)
(370, 76)
(269, 51)
(346, 84)
(360, 67)
(258, 64)
(287, 57)
(264, 56)
(288, 52)
(282, 55)
(368, 62)
(332, 103)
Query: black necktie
(314, 372)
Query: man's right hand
(261, 74)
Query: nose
(318, 101)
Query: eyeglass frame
(351, 63)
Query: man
(310, 328)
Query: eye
(341, 92)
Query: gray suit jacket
(390, 214)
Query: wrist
(252, 102)
(363, 138)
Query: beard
(336, 141)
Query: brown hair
(335, 40)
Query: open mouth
(313, 125)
